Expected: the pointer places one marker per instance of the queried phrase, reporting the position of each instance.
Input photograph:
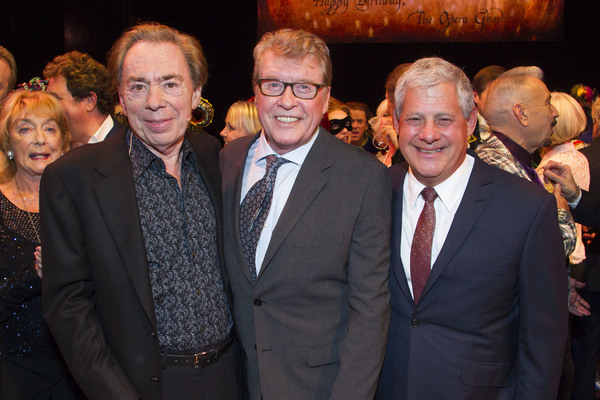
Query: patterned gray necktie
(255, 209)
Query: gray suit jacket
(492, 319)
(314, 324)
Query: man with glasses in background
(307, 231)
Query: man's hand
(561, 202)
(577, 305)
(559, 173)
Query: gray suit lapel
(478, 193)
(309, 183)
(117, 201)
(232, 210)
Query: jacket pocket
(482, 374)
(323, 355)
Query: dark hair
(84, 75)
(485, 76)
(12, 65)
(356, 105)
(392, 80)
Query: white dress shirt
(101, 133)
(450, 193)
(254, 170)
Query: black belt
(204, 358)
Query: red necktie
(420, 252)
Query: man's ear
(90, 101)
(472, 120)
(476, 98)
(521, 114)
(122, 102)
(196, 97)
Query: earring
(10, 155)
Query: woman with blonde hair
(570, 123)
(33, 133)
(241, 120)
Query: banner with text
(417, 20)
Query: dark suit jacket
(97, 293)
(116, 129)
(314, 324)
(587, 213)
(492, 319)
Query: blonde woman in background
(385, 138)
(570, 123)
(241, 120)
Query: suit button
(152, 334)
(258, 302)
(415, 323)
(155, 379)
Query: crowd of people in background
(443, 247)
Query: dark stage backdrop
(35, 32)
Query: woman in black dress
(33, 132)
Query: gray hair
(530, 70)
(429, 72)
(155, 32)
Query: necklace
(37, 235)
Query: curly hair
(84, 75)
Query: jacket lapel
(115, 193)
(398, 175)
(237, 162)
(309, 182)
(478, 193)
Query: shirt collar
(142, 158)
(297, 156)
(450, 191)
(517, 151)
(101, 133)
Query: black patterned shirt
(180, 236)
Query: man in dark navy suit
(477, 277)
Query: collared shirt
(254, 170)
(101, 133)
(494, 152)
(450, 193)
(180, 236)
(523, 156)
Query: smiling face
(289, 122)
(157, 95)
(36, 141)
(433, 132)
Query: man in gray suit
(308, 269)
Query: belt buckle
(206, 358)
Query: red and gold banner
(416, 21)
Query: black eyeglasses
(302, 90)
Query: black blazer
(97, 292)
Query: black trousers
(585, 344)
(26, 378)
(221, 381)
